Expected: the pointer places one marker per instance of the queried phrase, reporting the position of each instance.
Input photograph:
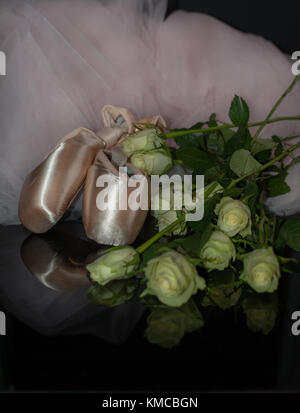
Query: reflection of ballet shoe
(52, 266)
(50, 188)
(112, 226)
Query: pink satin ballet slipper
(112, 226)
(117, 117)
(52, 268)
(156, 120)
(50, 188)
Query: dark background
(226, 355)
(275, 20)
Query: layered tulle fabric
(66, 59)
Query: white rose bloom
(143, 141)
(154, 162)
(261, 270)
(217, 252)
(172, 278)
(234, 217)
(113, 265)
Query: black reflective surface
(58, 340)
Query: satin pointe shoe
(112, 226)
(50, 188)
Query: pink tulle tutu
(66, 59)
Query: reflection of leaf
(261, 311)
(167, 326)
(114, 293)
(223, 295)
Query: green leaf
(234, 192)
(188, 141)
(242, 162)
(290, 234)
(227, 134)
(215, 142)
(276, 139)
(210, 205)
(260, 145)
(239, 111)
(212, 174)
(279, 149)
(295, 161)
(241, 139)
(193, 243)
(263, 156)
(251, 189)
(196, 159)
(277, 185)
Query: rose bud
(113, 265)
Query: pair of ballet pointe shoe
(76, 163)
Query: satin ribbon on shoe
(51, 187)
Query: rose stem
(277, 103)
(157, 236)
(227, 126)
(262, 124)
(265, 166)
(160, 234)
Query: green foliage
(290, 234)
(196, 159)
(239, 111)
(242, 162)
(277, 185)
(241, 139)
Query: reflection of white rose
(217, 252)
(143, 141)
(261, 270)
(154, 162)
(172, 278)
(113, 265)
(234, 217)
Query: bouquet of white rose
(235, 255)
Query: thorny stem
(261, 124)
(277, 103)
(226, 126)
(265, 166)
